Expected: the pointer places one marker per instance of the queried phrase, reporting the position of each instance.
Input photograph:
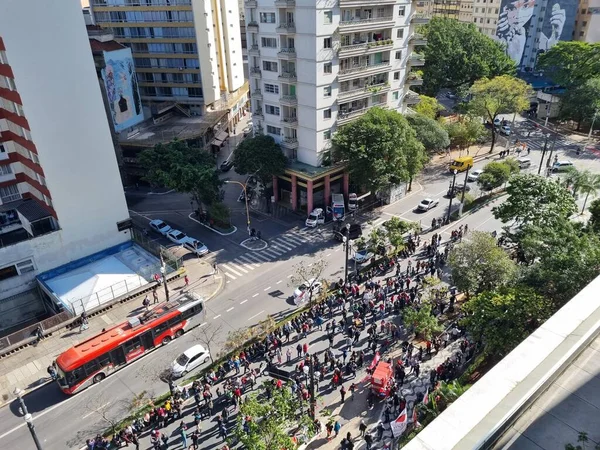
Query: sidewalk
(26, 369)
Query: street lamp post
(163, 271)
(543, 152)
(464, 189)
(451, 195)
(549, 160)
(346, 240)
(592, 125)
(28, 418)
(246, 198)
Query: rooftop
(308, 171)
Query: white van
(561, 166)
(316, 217)
(524, 163)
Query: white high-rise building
(60, 191)
(315, 66)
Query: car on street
(159, 226)
(458, 188)
(226, 165)
(189, 360)
(451, 96)
(177, 237)
(561, 166)
(247, 131)
(316, 217)
(497, 122)
(474, 175)
(302, 292)
(362, 256)
(427, 204)
(505, 130)
(195, 246)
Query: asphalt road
(250, 295)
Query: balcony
(288, 77)
(252, 26)
(365, 47)
(353, 3)
(411, 98)
(286, 28)
(255, 72)
(288, 100)
(414, 80)
(363, 69)
(363, 92)
(285, 3)
(257, 94)
(287, 53)
(251, 4)
(366, 24)
(289, 143)
(420, 19)
(253, 50)
(416, 60)
(345, 117)
(418, 39)
(291, 121)
(258, 113)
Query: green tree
(499, 95)
(176, 165)
(535, 200)
(465, 132)
(271, 421)
(429, 132)
(458, 54)
(580, 103)
(428, 107)
(587, 183)
(261, 156)
(494, 175)
(503, 318)
(571, 63)
(594, 222)
(480, 265)
(375, 147)
(423, 322)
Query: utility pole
(549, 160)
(346, 240)
(543, 153)
(163, 271)
(28, 418)
(464, 189)
(451, 195)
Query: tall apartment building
(461, 10)
(587, 23)
(185, 51)
(315, 66)
(60, 192)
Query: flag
(375, 361)
(398, 426)
(426, 396)
(415, 418)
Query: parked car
(226, 165)
(195, 246)
(458, 188)
(247, 131)
(189, 360)
(351, 231)
(302, 292)
(505, 130)
(474, 175)
(159, 226)
(316, 217)
(497, 122)
(362, 256)
(561, 166)
(427, 204)
(177, 237)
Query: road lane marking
(290, 275)
(99, 408)
(338, 249)
(202, 324)
(310, 264)
(242, 302)
(256, 315)
(245, 259)
(244, 263)
(267, 288)
(279, 281)
(255, 295)
(328, 254)
(230, 276)
(216, 317)
(236, 267)
(230, 309)
(230, 269)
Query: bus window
(132, 345)
(91, 367)
(75, 375)
(161, 328)
(175, 321)
(104, 360)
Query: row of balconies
(288, 77)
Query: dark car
(458, 188)
(354, 232)
(226, 165)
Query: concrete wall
(207, 49)
(231, 56)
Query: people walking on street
(84, 322)
(146, 302)
(336, 428)
(368, 441)
(155, 295)
(186, 280)
(343, 393)
(362, 427)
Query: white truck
(338, 207)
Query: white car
(474, 175)
(302, 292)
(427, 204)
(189, 360)
(195, 246)
(159, 226)
(316, 217)
(505, 130)
(362, 256)
(177, 237)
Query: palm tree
(571, 177)
(587, 183)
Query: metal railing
(361, 67)
(366, 21)
(288, 98)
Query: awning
(216, 142)
(222, 136)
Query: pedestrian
(329, 429)
(368, 441)
(195, 438)
(362, 428)
(299, 350)
(352, 389)
(343, 392)
(288, 355)
(186, 280)
(146, 302)
(215, 269)
(380, 431)
(84, 322)
(40, 333)
(336, 428)
(182, 429)
(155, 295)
(223, 432)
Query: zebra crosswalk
(244, 264)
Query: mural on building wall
(122, 89)
(517, 25)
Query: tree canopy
(176, 165)
(503, 318)
(377, 147)
(458, 54)
(428, 106)
(495, 174)
(500, 95)
(594, 222)
(535, 200)
(581, 103)
(429, 132)
(465, 132)
(571, 63)
(261, 156)
(479, 264)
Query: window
(399, 54)
(402, 11)
(267, 17)
(2, 148)
(327, 135)
(327, 42)
(270, 66)
(25, 266)
(327, 114)
(396, 76)
(273, 130)
(270, 109)
(17, 269)
(327, 68)
(395, 95)
(327, 17)
(132, 345)
(268, 42)
(5, 170)
(400, 33)
(271, 88)
(9, 193)
(327, 91)
(8, 272)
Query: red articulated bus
(92, 360)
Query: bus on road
(94, 359)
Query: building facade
(60, 192)
(185, 51)
(461, 10)
(587, 23)
(317, 66)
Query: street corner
(222, 233)
(254, 244)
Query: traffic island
(212, 227)
(254, 244)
